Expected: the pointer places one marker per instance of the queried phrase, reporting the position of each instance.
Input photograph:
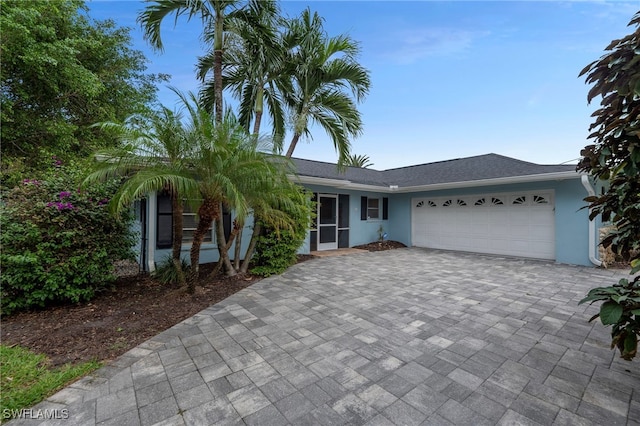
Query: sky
(449, 79)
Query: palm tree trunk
(292, 145)
(222, 247)
(236, 252)
(257, 229)
(259, 109)
(207, 212)
(217, 61)
(177, 210)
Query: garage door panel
(520, 224)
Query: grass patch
(26, 378)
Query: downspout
(592, 224)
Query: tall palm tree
(325, 70)
(253, 68)
(214, 15)
(153, 156)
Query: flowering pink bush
(58, 243)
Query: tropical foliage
(615, 158)
(153, 156)
(361, 161)
(327, 83)
(277, 242)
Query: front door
(327, 222)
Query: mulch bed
(135, 309)
(381, 245)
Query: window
(164, 234)
(189, 225)
(374, 208)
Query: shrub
(277, 248)
(58, 242)
(275, 252)
(620, 308)
(166, 271)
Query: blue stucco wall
(572, 223)
(209, 251)
(571, 220)
(360, 231)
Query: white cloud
(412, 45)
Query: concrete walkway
(403, 337)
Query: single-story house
(484, 204)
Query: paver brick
(364, 339)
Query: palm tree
(214, 15)
(254, 65)
(152, 157)
(254, 68)
(234, 170)
(361, 161)
(324, 67)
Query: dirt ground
(135, 309)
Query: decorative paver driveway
(403, 337)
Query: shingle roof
(480, 167)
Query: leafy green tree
(615, 158)
(61, 72)
(153, 156)
(323, 69)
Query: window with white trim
(373, 208)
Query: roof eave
(347, 184)
(339, 183)
(493, 181)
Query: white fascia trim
(346, 184)
(494, 181)
(338, 183)
(310, 180)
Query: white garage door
(515, 224)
